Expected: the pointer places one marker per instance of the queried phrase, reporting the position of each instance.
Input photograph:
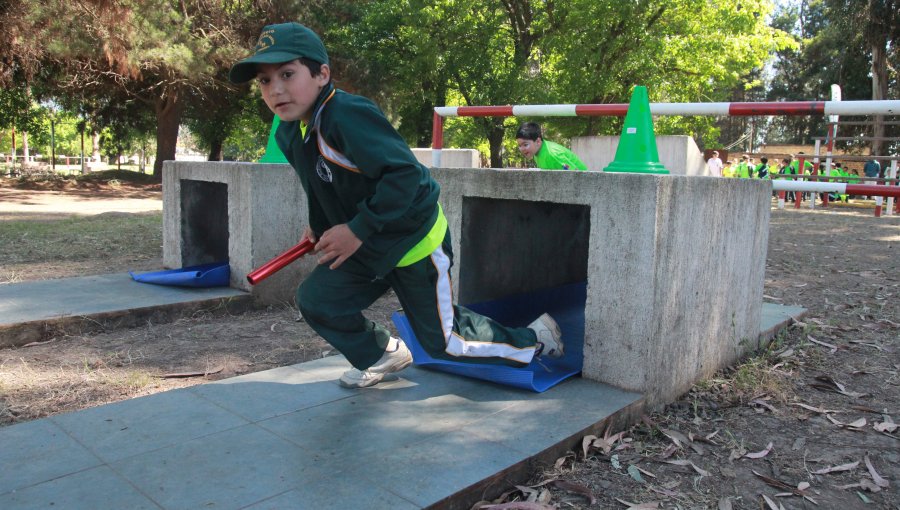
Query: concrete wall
(674, 285)
(266, 213)
(679, 154)
(674, 281)
(451, 158)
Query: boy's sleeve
(363, 134)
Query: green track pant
(332, 302)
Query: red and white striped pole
(872, 107)
(831, 134)
(841, 188)
(437, 139)
(891, 202)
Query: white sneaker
(395, 358)
(549, 337)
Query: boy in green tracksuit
(376, 222)
(547, 155)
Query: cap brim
(245, 70)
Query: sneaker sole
(405, 362)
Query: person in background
(715, 165)
(728, 169)
(547, 155)
(787, 169)
(743, 170)
(762, 169)
(872, 170)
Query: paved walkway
(292, 438)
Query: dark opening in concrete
(204, 222)
(513, 247)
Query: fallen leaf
(190, 374)
(32, 344)
(771, 504)
(614, 460)
(879, 481)
(887, 425)
(760, 454)
(834, 469)
(676, 437)
(671, 449)
(586, 442)
(576, 488)
(635, 473)
(786, 353)
(867, 344)
(639, 506)
(823, 344)
(725, 504)
(518, 505)
(764, 404)
(648, 473)
(855, 426)
(783, 486)
(699, 471)
(819, 410)
(827, 383)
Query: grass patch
(81, 237)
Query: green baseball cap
(278, 44)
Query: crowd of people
(746, 168)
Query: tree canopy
(130, 67)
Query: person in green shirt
(547, 155)
(375, 221)
(762, 169)
(743, 168)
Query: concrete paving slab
(30, 311)
(86, 295)
(35, 452)
(97, 488)
(226, 470)
(139, 425)
(291, 437)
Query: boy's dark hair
(529, 131)
(786, 161)
(315, 68)
(764, 160)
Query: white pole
(890, 200)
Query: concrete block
(259, 209)
(450, 158)
(675, 280)
(679, 154)
(674, 264)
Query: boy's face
(529, 148)
(290, 90)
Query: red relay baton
(271, 267)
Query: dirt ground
(808, 423)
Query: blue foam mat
(216, 274)
(565, 304)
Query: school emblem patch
(323, 171)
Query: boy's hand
(309, 234)
(337, 243)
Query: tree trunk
(168, 117)
(95, 145)
(495, 139)
(879, 91)
(215, 151)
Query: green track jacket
(356, 169)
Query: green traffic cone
(637, 151)
(273, 153)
